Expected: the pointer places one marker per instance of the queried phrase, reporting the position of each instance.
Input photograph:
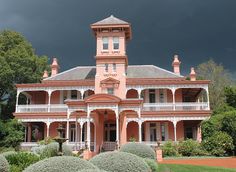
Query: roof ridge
(74, 68)
(167, 71)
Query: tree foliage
(219, 77)
(18, 64)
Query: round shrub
(60, 164)
(139, 149)
(91, 170)
(169, 149)
(22, 159)
(120, 162)
(8, 153)
(189, 147)
(219, 144)
(4, 166)
(152, 164)
(50, 150)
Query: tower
(111, 35)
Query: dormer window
(106, 67)
(105, 43)
(115, 43)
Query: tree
(230, 94)
(18, 64)
(219, 77)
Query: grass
(191, 168)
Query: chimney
(45, 74)
(192, 75)
(176, 65)
(54, 67)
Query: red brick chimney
(192, 74)
(45, 74)
(54, 67)
(176, 65)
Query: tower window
(105, 43)
(110, 91)
(115, 43)
(114, 67)
(106, 67)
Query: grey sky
(195, 29)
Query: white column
(173, 93)
(175, 124)
(82, 94)
(81, 133)
(208, 99)
(17, 100)
(139, 93)
(48, 127)
(88, 130)
(49, 100)
(76, 130)
(140, 130)
(117, 129)
(67, 126)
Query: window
(153, 132)
(72, 133)
(115, 43)
(105, 43)
(163, 132)
(106, 67)
(110, 91)
(161, 96)
(152, 96)
(114, 67)
(74, 94)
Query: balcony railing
(42, 108)
(184, 106)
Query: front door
(110, 132)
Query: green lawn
(191, 168)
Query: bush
(120, 162)
(91, 170)
(169, 149)
(22, 159)
(219, 144)
(189, 147)
(46, 141)
(139, 149)
(4, 165)
(60, 164)
(8, 153)
(50, 150)
(152, 164)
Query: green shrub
(91, 170)
(15, 168)
(50, 150)
(152, 164)
(60, 164)
(120, 162)
(6, 154)
(189, 147)
(139, 149)
(4, 165)
(219, 144)
(6, 149)
(22, 159)
(170, 149)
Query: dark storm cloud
(195, 29)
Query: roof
(110, 21)
(134, 71)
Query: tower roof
(111, 21)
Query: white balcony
(184, 106)
(41, 108)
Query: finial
(45, 74)
(192, 74)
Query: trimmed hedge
(8, 153)
(139, 149)
(152, 164)
(50, 150)
(91, 170)
(21, 160)
(120, 162)
(4, 165)
(60, 164)
(169, 148)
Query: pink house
(113, 102)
